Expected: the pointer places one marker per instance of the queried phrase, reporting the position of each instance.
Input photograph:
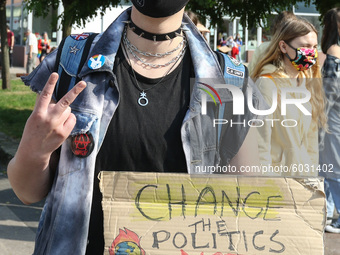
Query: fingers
(69, 97)
(46, 94)
(70, 123)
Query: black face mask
(159, 8)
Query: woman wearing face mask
(139, 112)
(289, 142)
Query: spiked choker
(153, 37)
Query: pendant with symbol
(143, 101)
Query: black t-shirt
(142, 138)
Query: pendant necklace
(143, 100)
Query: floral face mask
(305, 58)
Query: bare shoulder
(334, 50)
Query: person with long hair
(330, 141)
(43, 46)
(289, 142)
(280, 19)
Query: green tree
(75, 11)
(324, 6)
(6, 81)
(251, 12)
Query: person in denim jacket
(330, 141)
(90, 121)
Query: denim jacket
(64, 222)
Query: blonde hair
(291, 29)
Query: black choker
(150, 36)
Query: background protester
(10, 41)
(291, 62)
(239, 42)
(234, 47)
(330, 141)
(281, 18)
(31, 51)
(194, 18)
(43, 46)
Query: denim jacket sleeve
(38, 78)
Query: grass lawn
(16, 106)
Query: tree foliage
(251, 12)
(76, 12)
(324, 6)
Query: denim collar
(108, 44)
(206, 65)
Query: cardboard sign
(170, 214)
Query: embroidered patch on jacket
(74, 50)
(235, 61)
(235, 72)
(79, 37)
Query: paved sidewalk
(8, 147)
(18, 222)
(16, 70)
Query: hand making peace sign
(51, 123)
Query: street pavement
(19, 222)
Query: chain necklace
(143, 100)
(148, 54)
(154, 65)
